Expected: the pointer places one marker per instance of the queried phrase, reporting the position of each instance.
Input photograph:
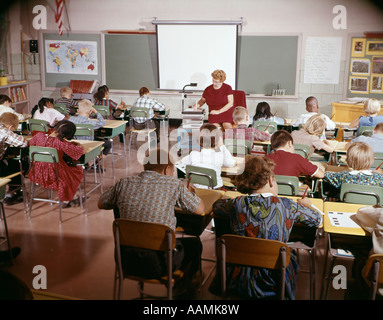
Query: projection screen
(191, 52)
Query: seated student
(6, 106)
(287, 162)
(45, 110)
(66, 98)
(360, 158)
(9, 123)
(375, 141)
(70, 176)
(312, 108)
(262, 214)
(310, 134)
(213, 155)
(101, 98)
(263, 113)
(372, 117)
(85, 109)
(151, 196)
(144, 101)
(242, 130)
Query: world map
(76, 57)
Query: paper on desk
(342, 219)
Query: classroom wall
(307, 17)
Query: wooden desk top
(237, 169)
(89, 145)
(342, 207)
(4, 181)
(114, 123)
(208, 196)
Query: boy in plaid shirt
(9, 123)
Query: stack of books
(192, 119)
(18, 94)
(84, 89)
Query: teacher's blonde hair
(219, 75)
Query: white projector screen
(190, 53)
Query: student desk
(342, 237)
(92, 150)
(110, 130)
(237, 169)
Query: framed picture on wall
(374, 48)
(358, 85)
(358, 47)
(376, 84)
(360, 67)
(377, 65)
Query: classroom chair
(145, 235)
(239, 98)
(37, 125)
(144, 113)
(378, 159)
(60, 107)
(269, 126)
(365, 131)
(361, 194)
(103, 110)
(287, 185)
(201, 175)
(254, 252)
(238, 147)
(303, 150)
(49, 155)
(4, 236)
(373, 273)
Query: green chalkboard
(58, 79)
(131, 61)
(266, 61)
(263, 62)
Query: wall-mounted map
(74, 57)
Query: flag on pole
(59, 15)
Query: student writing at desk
(6, 106)
(310, 134)
(85, 109)
(145, 101)
(262, 214)
(70, 176)
(263, 113)
(372, 117)
(375, 141)
(101, 98)
(9, 123)
(151, 196)
(360, 158)
(66, 98)
(213, 155)
(312, 109)
(45, 110)
(242, 130)
(287, 162)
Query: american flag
(58, 15)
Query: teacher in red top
(220, 99)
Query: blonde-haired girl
(372, 117)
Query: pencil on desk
(332, 116)
(305, 193)
(378, 166)
(266, 127)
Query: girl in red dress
(220, 99)
(44, 174)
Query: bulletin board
(365, 68)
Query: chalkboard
(264, 62)
(58, 79)
(131, 61)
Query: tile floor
(78, 254)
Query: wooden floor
(78, 253)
